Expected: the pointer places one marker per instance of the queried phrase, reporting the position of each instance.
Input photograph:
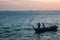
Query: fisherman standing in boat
(43, 25)
(38, 25)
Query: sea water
(16, 25)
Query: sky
(19, 5)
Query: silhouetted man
(43, 25)
(38, 25)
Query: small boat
(51, 28)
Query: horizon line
(30, 10)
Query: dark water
(17, 25)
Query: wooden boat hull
(52, 28)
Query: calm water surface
(17, 25)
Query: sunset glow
(29, 5)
